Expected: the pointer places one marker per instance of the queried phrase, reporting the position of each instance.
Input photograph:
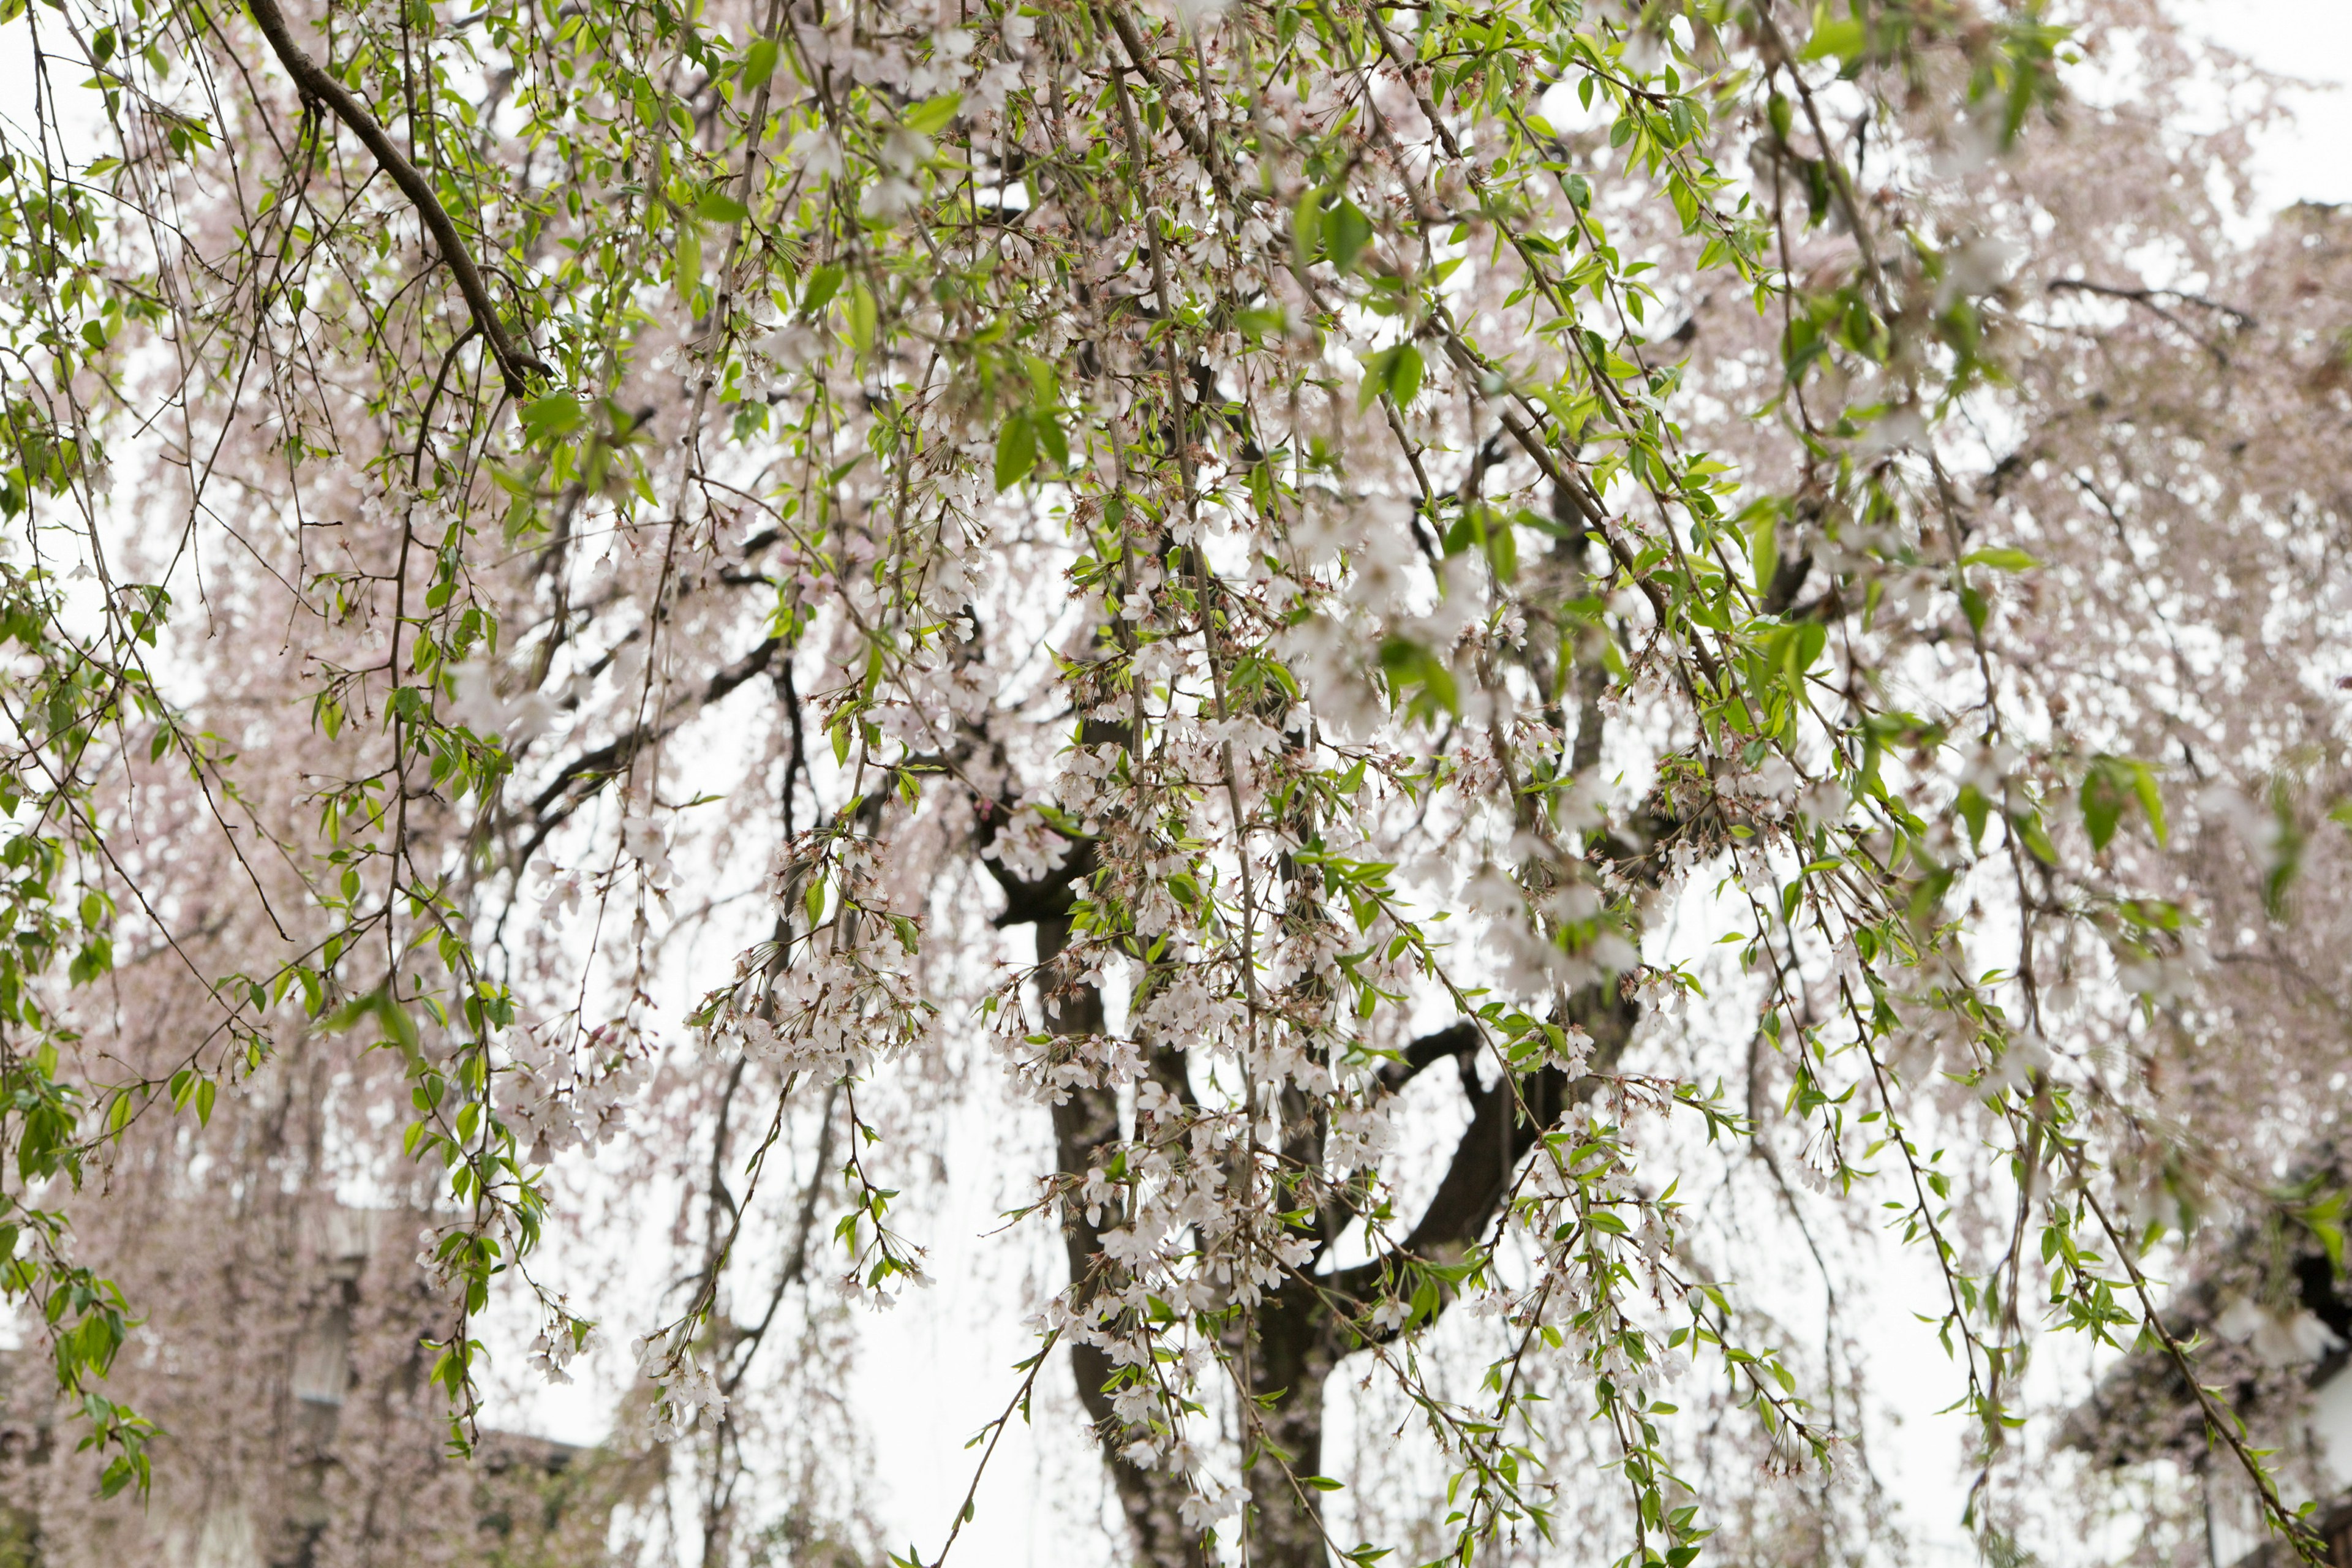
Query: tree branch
(1497, 1138)
(562, 797)
(1083, 1122)
(321, 85)
(1139, 55)
(1455, 1040)
(2146, 298)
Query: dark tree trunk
(1304, 1329)
(1083, 1124)
(1299, 1332)
(1290, 1358)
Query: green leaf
(2029, 831)
(399, 1029)
(1843, 37)
(1764, 548)
(1404, 374)
(557, 414)
(1408, 664)
(1307, 227)
(1394, 370)
(1973, 604)
(760, 63)
(862, 318)
(1974, 807)
(1016, 451)
(2111, 784)
(1502, 550)
(823, 285)
(717, 206)
(1055, 445)
(2000, 560)
(930, 117)
(2102, 806)
(1346, 230)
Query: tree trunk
(1290, 1357)
(1083, 1124)
(1299, 1331)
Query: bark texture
(1290, 1344)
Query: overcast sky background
(2310, 40)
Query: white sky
(2310, 40)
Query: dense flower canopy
(1506, 661)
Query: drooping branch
(321, 85)
(1139, 55)
(585, 774)
(1507, 1117)
(2151, 299)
